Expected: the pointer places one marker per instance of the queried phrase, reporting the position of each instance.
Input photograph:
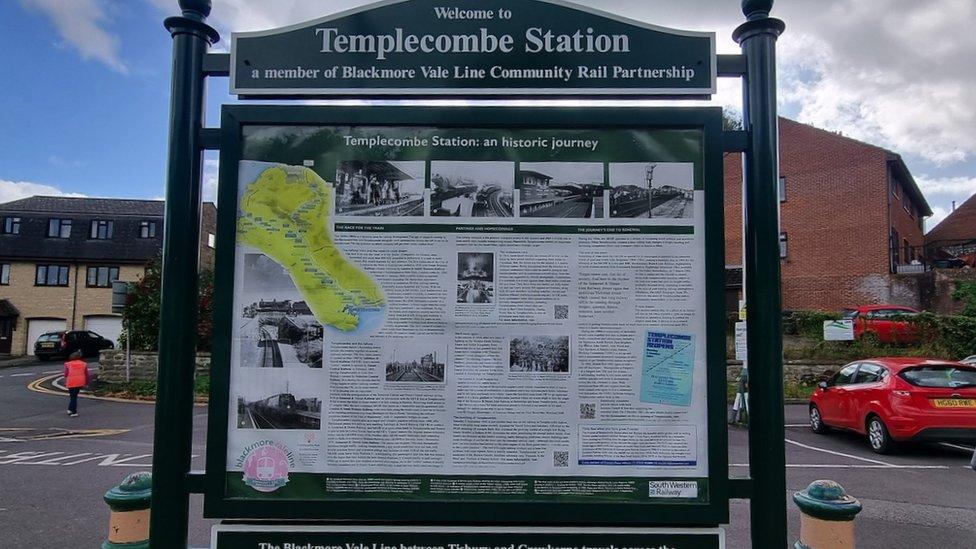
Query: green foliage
(141, 313)
(807, 323)
(966, 292)
(147, 389)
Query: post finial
(196, 9)
(756, 9)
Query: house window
(908, 250)
(783, 242)
(908, 208)
(211, 240)
(782, 188)
(59, 228)
(51, 275)
(5, 274)
(11, 225)
(895, 254)
(101, 229)
(147, 229)
(102, 277)
(894, 186)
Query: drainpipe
(74, 296)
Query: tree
(141, 312)
(731, 120)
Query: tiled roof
(958, 225)
(86, 206)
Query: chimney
(953, 205)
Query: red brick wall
(835, 216)
(905, 223)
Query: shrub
(141, 312)
(806, 323)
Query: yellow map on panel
(285, 214)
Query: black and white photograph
(419, 361)
(561, 189)
(279, 405)
(662, 190)
(380, 188)
(476, 277)
(280, 333)
(263, 274)
(539, 353)
(472, 189)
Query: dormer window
(59, 228)
(102, 229)
(11, 225)
(147, 229)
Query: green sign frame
(223, 502)
(478, 48)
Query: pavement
(55, 469)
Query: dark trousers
(73, 399)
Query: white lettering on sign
(537, 40)
(672, 489)
(458, 13)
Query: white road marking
(957, 446)
(22, 375)
(850, 466)
(814, 448)
(63, 459)
(797, 425)
(53, 372)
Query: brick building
(952, 243)
(850, 214)
(59, 257)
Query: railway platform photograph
(280, 333)
(663, 190)
(279, 405)
(380, 188)
(472, 189)
(539, 353)
(561, 189)
(426, 368)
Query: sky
(86, 83)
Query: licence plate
(954, 403)
(47, 345)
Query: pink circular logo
(266, 467)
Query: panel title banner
(473, 48)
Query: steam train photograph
(279, 411)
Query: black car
(62, 344)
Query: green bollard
(827, 519)
(128, 525)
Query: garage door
(36, 327)
(108, 327)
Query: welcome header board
(473, 48)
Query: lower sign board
(425, 306)
(244, 536)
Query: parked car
(970, 360)
(62, 344)
(885, 323)
(899, 399)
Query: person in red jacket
(75, 377)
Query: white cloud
(15, 190)
(211, 167)
(950, 186)
(82, 24)
(938, 214)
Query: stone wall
(142, 366)
(796, 371)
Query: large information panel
(430, 313)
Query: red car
(886, 323)
(899, 399)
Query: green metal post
(767, 454)
(178, 310)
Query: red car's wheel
(878, 436)
(816, 421)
